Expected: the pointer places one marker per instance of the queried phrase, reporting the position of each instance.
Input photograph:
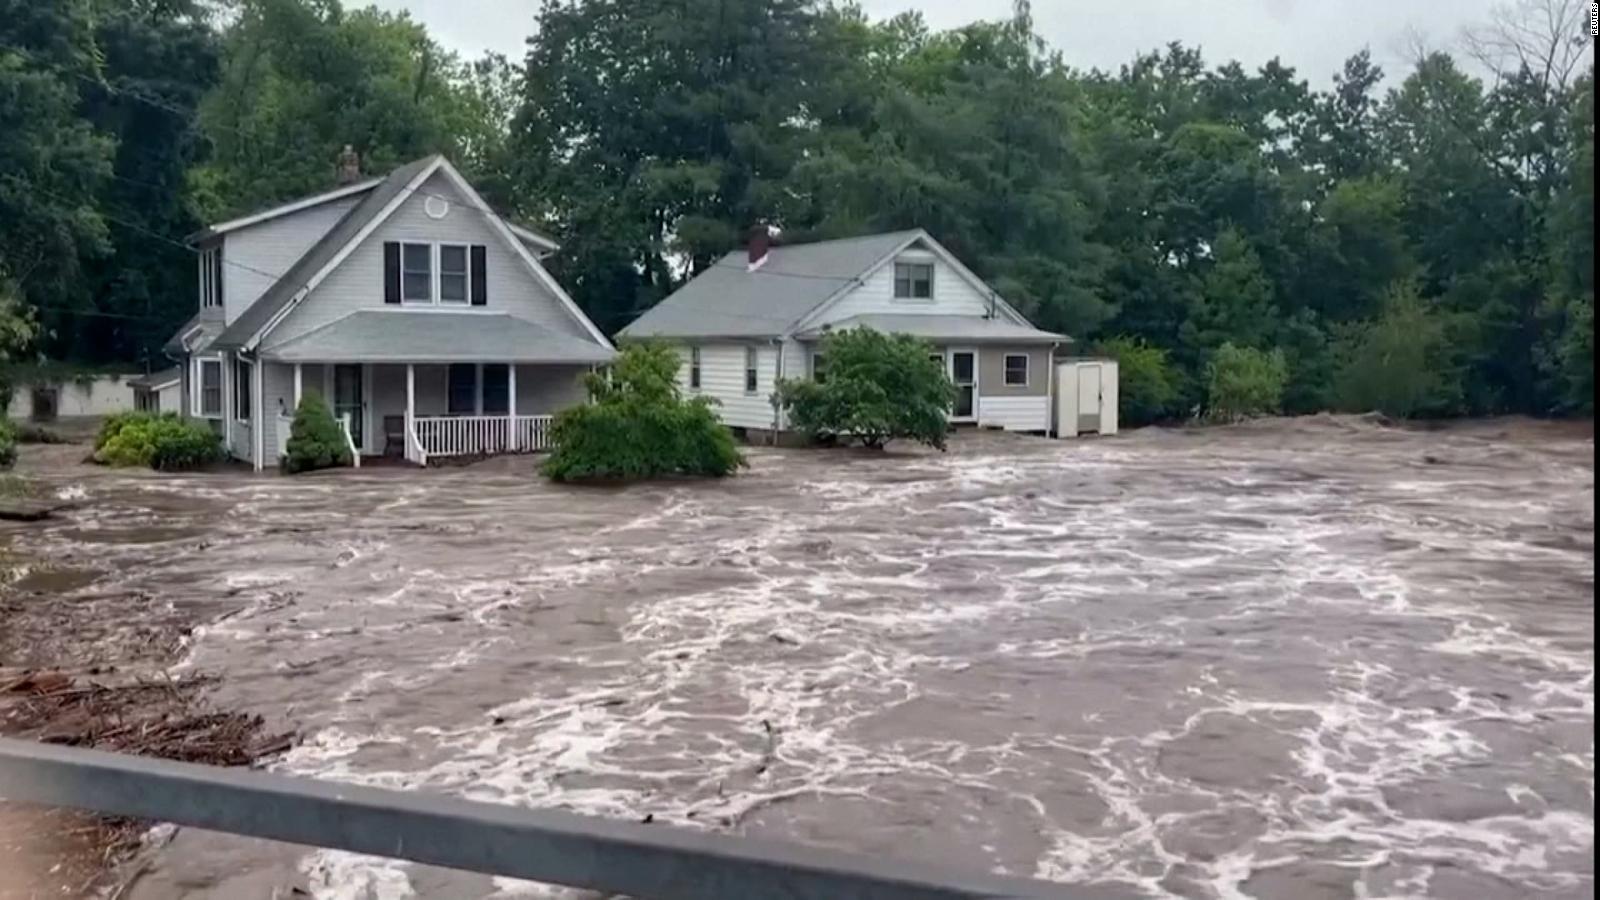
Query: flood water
(1316, 658)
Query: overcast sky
(1314, 36)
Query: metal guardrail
(645, 861)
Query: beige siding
(991, 374)
(722, 378)
(952, 294)
(254, 256)
(358, 282)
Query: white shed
(1086, 397)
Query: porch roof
(399, 336)
(968, 329)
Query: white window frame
(197, 405)
(815, 356)
(911, 282)
(210, 276)
(1027, 369)
(752, 370)
(438, 274)
(244, 374)
(694, 369)
(433, 274)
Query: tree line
(1420, 243)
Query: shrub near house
(163, 442)
(876, 388)
(638, 425)
(315, 439)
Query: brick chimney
(757, 243)
(349, 169)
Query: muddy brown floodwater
(1297, 659)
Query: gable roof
(361, 220)
(283, 291)
(942, 328)
(780, 295)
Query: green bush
(879, 387)
(316, 441)
(8, 444)
(1145, 382)
(1242, 382)
(638, 425)
(163, 442)
(1400, 363)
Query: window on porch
(463, 399)
(496, 389)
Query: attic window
(211, 277)
(416, 273)
(913, 281)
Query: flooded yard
(1296, 659)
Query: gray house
(424, 318)
(757, 316)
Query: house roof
(195, 334)
(942, 328)
(157, 379)
(400, 335)
(283, 291)
(729, 299)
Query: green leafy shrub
(316, 441)
(8, 444)
(163, 442)
(879, 387)
(1242, 382)
(1400, 363)
(1145, 381)
(637, 424)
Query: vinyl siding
(722, 378)
(358, 282)
(992, 371)
(952, 294)
(277, 393)
(1014, 413)
(546, 390)
(271, 247)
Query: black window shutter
(480, 274)
(391, 272)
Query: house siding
(255, 255)
(953, 295)
(992, 371)
(722, 378)
(357, 283)
(546, 390)
(277, 395)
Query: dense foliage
(316, 440)
(1175, 202)
(875, 388)
(1144, 380)
(1243, 382)
(638, 425)
(159, 441)
(8, 444)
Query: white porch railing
(414, 451)
(285, 426)
(480, 435)
(350, 441)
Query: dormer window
(211, 277)
(453, 273)
(416, 273)
(913, 281)
(435, 273)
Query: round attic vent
(436, 207)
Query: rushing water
(1299, 659)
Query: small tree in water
(637, 424)
(315, 439)
(874, 388)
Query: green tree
(878, 388)
(1244, 382)
(637, 425)
(1400, 363)
(1144, 380)
(316, 440)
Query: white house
(757, 316)
(423, 317)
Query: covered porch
(424, 387)
(429, 411)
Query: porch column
(411, 405)
(298, 376)
(512, 437)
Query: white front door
(964, 374)
(1089, 398)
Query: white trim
(197, 401)
(752, 363)
(499, 225)
(238, 414)
(258, 430)
(350, 246)
(299, 384)
(977, 379)
(1005, 369)
(433, 273)
(802, 323)
(295, 206)
(532, 237)
(438, 274)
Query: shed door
(1089, 398)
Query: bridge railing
(651, 862)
